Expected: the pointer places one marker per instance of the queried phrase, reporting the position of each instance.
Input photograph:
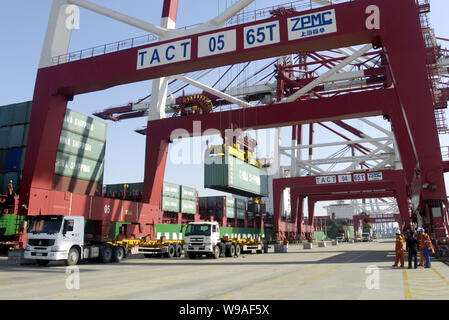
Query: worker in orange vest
(420, 249)
(399, 249)
(10, 193)
(427, 246)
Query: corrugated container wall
(171, 190)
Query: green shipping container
(171, 190)
(21, 113)
(72, 143)
(236, 177)
(114, 231)
(16, 136)
(6, 115)
(170, 204)
(319, 236)
(188, 206)
(72, 166)
(25, 135)
(83, 125)
(188, 193)
(4, 137)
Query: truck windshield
(45, 224)
(198, 230)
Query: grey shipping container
(72, 166)
(25, 135)
(21, 112)
(170, 204)
(16, 136)
(171, 190)
(3, 155)
(83, 125)
(188, 206)
(240, 204)
(188, 193)
(72, 143)
(240, 214)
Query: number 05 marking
(217, 43)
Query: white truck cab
(202, 238)
(57, 237)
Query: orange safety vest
(10, 189)
(420, 241)
(426, 241)
(399, 243)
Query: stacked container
(80, 158)
(232, 208)
(188, 200)
(171, 196)
(14, 120)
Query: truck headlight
(55, 248)
(28, 248)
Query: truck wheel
(232, 250)
(106, 255)
(171, 251)
(73, 257)
(118, 254)
(43, 263)
(216, 252)
(178, 250)
(192, 255)
(237, 250)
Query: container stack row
(219, 206)
(79, 161)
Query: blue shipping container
(13, 160)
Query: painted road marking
(428, 285)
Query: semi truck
(203, 238)
(63, 238)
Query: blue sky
(22, 30)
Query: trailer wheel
(216, 252)
(178, 250)
(43, 263)
(118, 254)
(231, 250)
(237, 250)
(73, 257)
(171, 251)
(106, 255)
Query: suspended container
(75, 144)
(75, 167)
(85, 126)
(16, 136)
(235, 176)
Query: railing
(299, 5)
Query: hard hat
(10, 180)
(398, 232)
(420, 229)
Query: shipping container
(171, 190)
(217, 205)
(25, 135)
(236, 176)
(9, 224)
(114, 231)
(72, 166)
(83, 125)
(188, 193)
(240, 204)
(170, 204)
(6, 115)
(20, 113)
(5, 133)
(188, 206)
(2, 184)
(240, 214)
(16, 136)
(13, 158)
(75, 144)
(3, 155)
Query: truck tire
(237, 250)
(106, 254)
(232, 250)
(216, 253)
(118, 254)
(73, 257)
(178, 250)
(43, 263)
(171, 251)
(265, 247)
(259, 251)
